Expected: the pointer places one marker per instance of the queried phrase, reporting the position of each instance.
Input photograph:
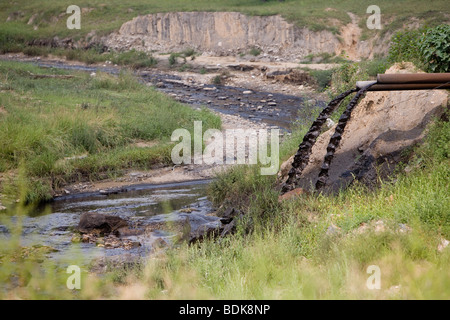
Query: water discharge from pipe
(337, 136)
(301, 158)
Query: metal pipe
(413, 78)
(408, 81)
(412, 86)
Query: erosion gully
(158, 206)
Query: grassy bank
(313, 247)
(66, 127)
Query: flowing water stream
(157, 207)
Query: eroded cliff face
(230, 33)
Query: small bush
(35, 51)
(255, 51)
(173, 59)
(434, 49)
(184, 67)
(188, 52)
(183, 54)
(217, 80)
(427, 48)
(346, 76)
(322, 78)
(135, 59)
(404, 47)
(343, 79)
(376, 66)
(220, 78)
(89, 56)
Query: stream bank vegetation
(70, 127)
(320, 247)
(312, 247)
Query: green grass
(46, 122)
(283, 250)
(133, 59)
(288, 253)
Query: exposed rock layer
(233, 32)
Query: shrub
(427, 48)
(376, 66)
(322, 77)
(36, 51)
(434, 49)
(217, 80)
(404, 47)
(188, 52)
(344, 78)
(255, 51)
(221, 78)
(183, 54)
(135, 59)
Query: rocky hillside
(226, 33)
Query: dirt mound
(383, 124)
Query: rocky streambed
(263, 107)
(151, 217)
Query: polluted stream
(161, 210)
